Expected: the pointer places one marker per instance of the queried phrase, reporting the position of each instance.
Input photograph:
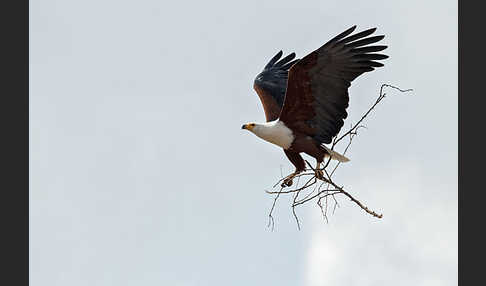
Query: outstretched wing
(271, 83)
(317, 91)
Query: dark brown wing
(271, 83)
(317, 90)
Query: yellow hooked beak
(248, 126)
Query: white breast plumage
(275, 132)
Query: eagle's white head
(274, 132)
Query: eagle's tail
(335, 155)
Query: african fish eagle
(305, 100)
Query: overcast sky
(141, 175)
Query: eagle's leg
(318, 171)
(299, 164)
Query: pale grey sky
(141, 175)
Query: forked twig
(328, 188)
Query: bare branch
(381, 96)
(321, 192)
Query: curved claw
(289, 179)
(287, 183)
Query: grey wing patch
(273, 78)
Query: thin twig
(318, 192)
(380, 98)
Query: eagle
(305, 100)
